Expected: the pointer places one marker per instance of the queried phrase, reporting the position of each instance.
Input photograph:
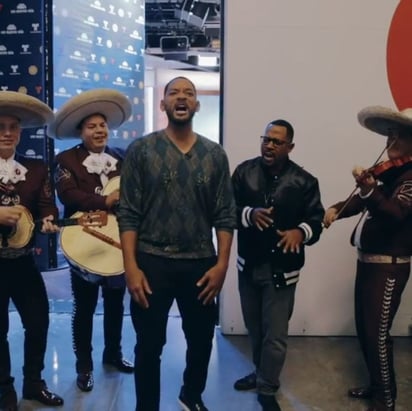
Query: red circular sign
(399, 55)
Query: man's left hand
(48, 226)
(212, 282)
(364, 180)
(290, 240)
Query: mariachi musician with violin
(81, 175)
(383, 238)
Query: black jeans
(172, 279)
(85, 296)
(22, 282)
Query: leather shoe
(246, 383)
(85, 381)
(38, 391)
(378, 406)
(8, 397)
(364, 393)
(268, 402)
(121, 364)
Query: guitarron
(95, 251)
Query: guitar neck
(20, 235)
(63, 222)
(92, 218)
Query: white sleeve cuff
(247, 217)
(307, 231)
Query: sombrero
(382, 119)
(112, 104)
(31, 111)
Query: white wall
(315, 63)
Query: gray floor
(317, 372)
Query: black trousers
(378, 291)
(22, 282)
(85, 297)
(172, 279)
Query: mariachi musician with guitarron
(383, 238)
(81, 175)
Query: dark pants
(22, 282)
(378, 291)
(85, 296)
(171, 279)
(266, 312)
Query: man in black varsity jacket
(279, 212)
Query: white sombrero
(382, 119)
(112, 104)
(31, 111)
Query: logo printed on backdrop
(25, 49)
(4, 51)
(11, 29)
(97, 5)
(21, 8)
(96, 44)
(35, 28)
(22, 58)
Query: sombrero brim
(382, 119)
(112, 104)
(31, 111)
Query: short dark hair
(177, 78)
(283, 123)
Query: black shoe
(363, 393)
(38, 391)
(381, 407)
(247, 383)
(8, 397)
(191, 403)
(85, 381)
(268, 402)
(121, 364)
(378, 406)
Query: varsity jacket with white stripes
(295, 196)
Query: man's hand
(330, 216)
(48, 226)
(112, 199)
(138, 286)
(212, 282)
(290, 240)
(10, 215)
(262, 217)
(364, 180)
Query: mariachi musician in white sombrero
(81, 174)
(24, 191)
(383, 238)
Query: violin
(383, 166)
(376, 170)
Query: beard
(179, 122)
